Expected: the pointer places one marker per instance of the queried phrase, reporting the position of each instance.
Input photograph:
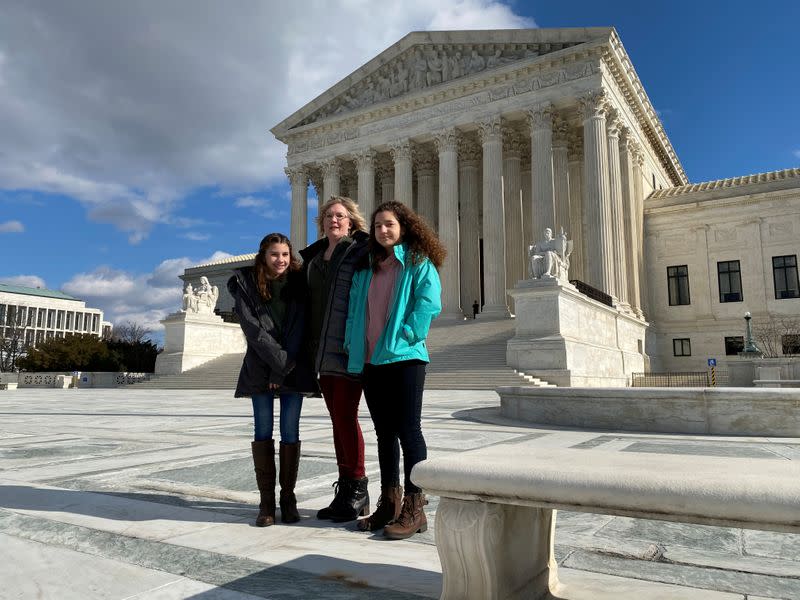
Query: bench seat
(495, 523)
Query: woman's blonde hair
(357, 221)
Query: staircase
(465, 355)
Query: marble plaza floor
(120, 494)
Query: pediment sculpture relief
(423, 67)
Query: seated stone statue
(549, 258)
(189, 299)
(206, 295)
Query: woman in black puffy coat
(270, 303)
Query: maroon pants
(342, 396)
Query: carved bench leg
(495, 551)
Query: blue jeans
(263, 411)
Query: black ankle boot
(353, 500)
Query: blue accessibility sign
(712, 362)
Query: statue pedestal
(569, 339)
(191, 339)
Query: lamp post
(749, 344)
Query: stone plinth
(569, 339)
(193, 339)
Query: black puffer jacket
(274, 354)
(331, 359)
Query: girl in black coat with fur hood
(270, 303)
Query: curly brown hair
(261, 268)
(421, 240)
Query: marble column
(561, 178)
(316, 180)
(626, 157)
(447, 148)
(403, 174)
(298, 229)
(516, 249)
(577, 232)
(365, 164)
(540, 118)
(620, 282)
(469, 195)
(425, 163)
(638, 211)
(331, 179)
(600, 254)
(386, 176)
(494, 229)
(527, 204)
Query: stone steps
(465, 355)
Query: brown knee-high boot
(264, 462)
(290, 461)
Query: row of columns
(589, 185)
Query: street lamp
(749, 344)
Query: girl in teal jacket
(393, 300)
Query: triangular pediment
(425, 60)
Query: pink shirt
(379, 296)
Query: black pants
(394, 398)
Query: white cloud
(249, 202)
(32, 281)
(144, 298)
(12, 227)
(196, 237)
(127, 107)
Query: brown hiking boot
(411, 520)
(387, 510)
(264, 462)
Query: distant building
(33, 315)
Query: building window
(95, 323)
(784, 274)
(729, 276)
(681, 347)
(2, 314)
(31, 317)
(60, 320)
(678, 283)
(733, 345)
(50, 316)
(40, 318)
(791, 343)
(70, 316)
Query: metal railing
(680, 379)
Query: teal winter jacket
(416, 301)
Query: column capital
(425, 161)
(575, 145)
(593, 104)
(627, 143)
(468, 150)
(384, 168)
(513, 142)
(297, 175)
(365, 159)
(331, 167)
(540, 116)
(490, 129)
(446, 140)
(560, 131)
(613, 122)
(400, 149)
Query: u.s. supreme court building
(492, 136)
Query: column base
(495, 311)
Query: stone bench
(495, 523)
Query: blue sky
(134, 137)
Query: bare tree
(130, 332)
(13, 327)
(771, 333)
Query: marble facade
(493, 136)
